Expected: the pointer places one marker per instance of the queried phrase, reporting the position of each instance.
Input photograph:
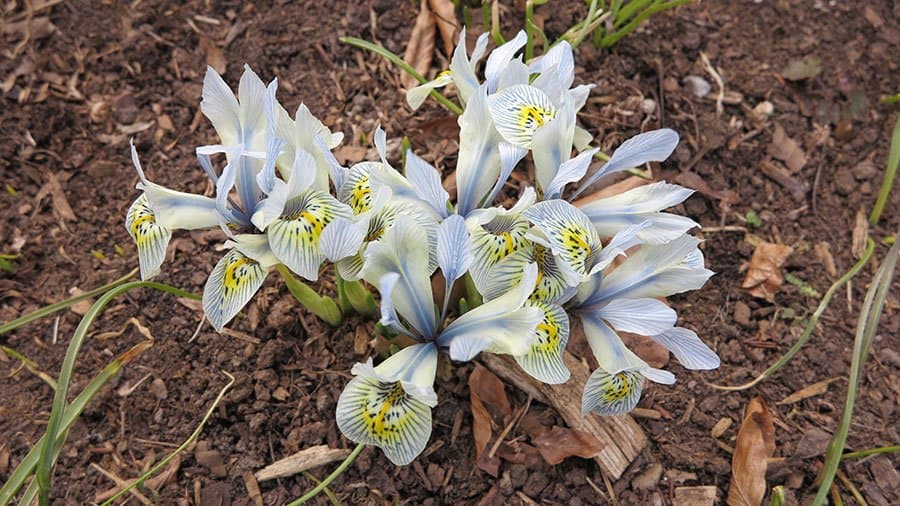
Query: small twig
(720, 98)
(509, 426)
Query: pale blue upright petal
(553, 146)
(453, 253)
(301, 176)
(342, 238)
(478, 166)
(687, 347)
(426, 181)
(500, 57)
(221, 107)
(462, 69)
(510, 156)
(252, 112)
(652, 146)
(173, 209)
(516, 72)
(570, 171)
(389, 317)
(647, 317)
(559, 62)
(404, 250)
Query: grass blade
(869, 316)
(187, 442)
(889, 175)
(52, 308)
(25, 468)
(48, 451)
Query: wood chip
(303, 460)
(253, 488)
(780, 175)
(60, 203)
(721, 426)
(823, 252)
(624, 438)
(694, 496)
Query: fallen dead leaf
(215, 58)
(755, 444)
(560, 443)
(445, 16)
(786, 149)
(763, 277)
(60, 202)
(694, 181)
(490, 407)
(823, 252)
(420, 48)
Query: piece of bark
(623, 437)
(780, 175)
(301, 461)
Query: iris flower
(389, 405)
(271, 218)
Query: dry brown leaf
(786, 149)
(490, 407)
(445, 16)
(755, 444)
(60, 202)
(811, 391)
(860, 235)
(763, 277)
(420, 47)
(215, 58)
(823, 252)
(560, 443)
(694, 181)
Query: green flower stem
(49, 452)
(359, 297)
(611, 39)
(396, 60)
(59, 306)
(889, 175)
(331, 477)
(321, 306)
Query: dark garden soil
(87, 76)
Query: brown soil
(84, 88)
